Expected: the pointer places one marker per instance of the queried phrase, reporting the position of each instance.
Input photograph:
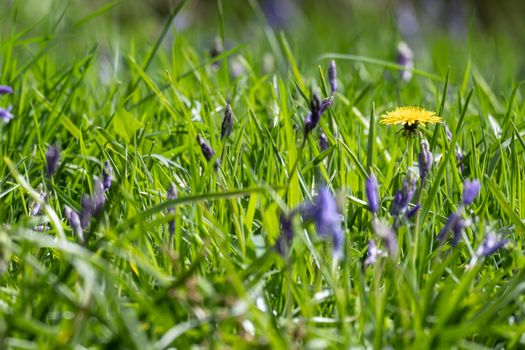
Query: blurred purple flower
(387, 234)
(326, 217)
(371, 189)
(99, 198)
(332, 76)
(405, 58)
(372, 253)
(171, 195)
(5, 89)
(227, 122)
(5, 114)
(107, 175)
(490, 245)
(52, 160)
(455, 224)
(470, 191)
(323, 141)
(285, 238)
(207, 151)
(413, 211)
(424, 159)
(317, 108)
(74, 221)
(87, 210)
(403, 197)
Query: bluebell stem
(324, 212)
(372, 253)
(286, 236)
(87, 210)
(424, 159)
(74, 221)
(403, 197)
(332, 76)
(99, 199)
(107, 175)
(52, 160)
(470, 191)
(171, 195)
(317, 108)
(5, 114)
(405, 58)
(323, 141)
(5, 89)
(207, 151)
(371, 189)
(227, 122)
(387, 234)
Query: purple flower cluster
(325, 215)
(456, 224)
(171, 195)
(5, 113)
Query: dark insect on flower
(387, 234)
(424, 159)
(403, 197)
(371, 189)
(87, 210)
(74, 221)
(207, 151)
(5, 89)
(470, 191)
(405, 58)
(227, 122)
(5, 114)
(332, 76)
(317, 108)
(285, 238)
(171, 195)
(324, 212)
(107, 175)
(52, 160)
(323, 141)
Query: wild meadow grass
(120, 230)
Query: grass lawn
(208, 177)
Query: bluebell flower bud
(490, 245)
(107, 175)
(207, 151)
(332, 76)
(405, 58)
(424, 159)
(286, 234)
(5, 114)
(317, 108)
(52, 160)
(171, 195)
(5, 89)
(74, 221)
(323, 141)
(227, 122)
(99, 199)
(387, 234)
(373, 252)
(87, 210)
(470, 191)
(403, 197)
(371, 190)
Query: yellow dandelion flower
(410, 116)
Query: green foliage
(139, 100)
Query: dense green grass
(138, 100)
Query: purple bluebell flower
(99, 199)
(371, 189)
(207, 151)
(403, 197)
(5, 89)
(332, 76)
(171, 195)
(317, 108)
(323, 141)
(387, 234)
(455, 224)
(227, 122)
(372, 253)
(52, 160)
(87, 210)
(107, 175)
(286, 236)
(470, 191)
(5, 114)
(424, 159)
(413, 211)
(490, 245)
(74, 221)
(324, 212)
(405, 58)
